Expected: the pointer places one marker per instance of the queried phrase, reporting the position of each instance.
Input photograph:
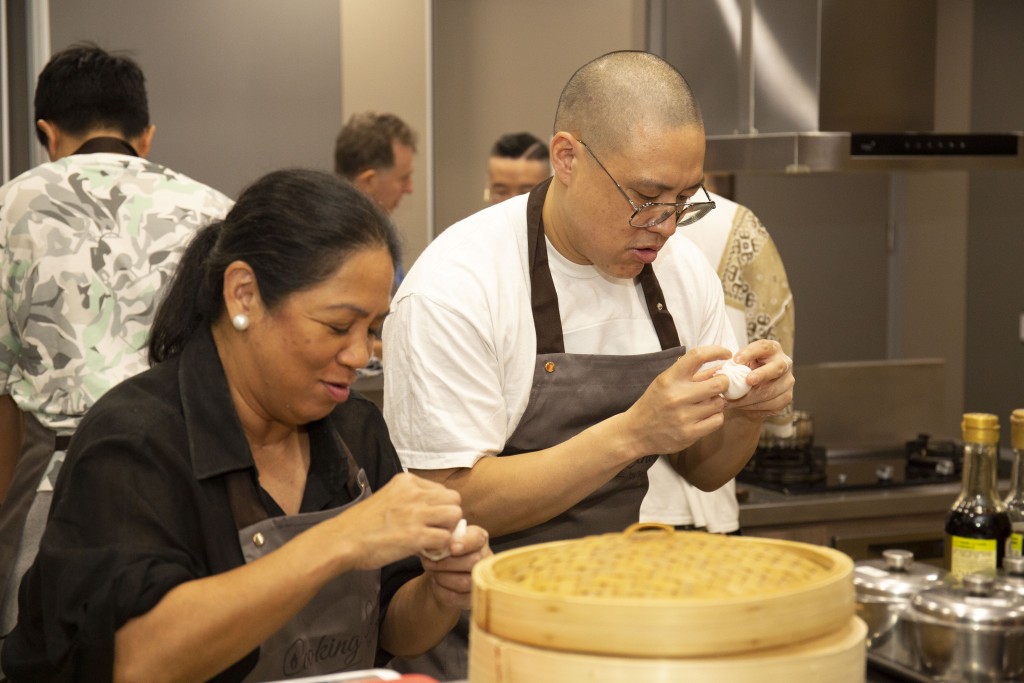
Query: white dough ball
(438, 555)
(737, 376)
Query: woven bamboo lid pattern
(688, 566)
(663, 593)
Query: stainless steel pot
(972, 632)
(884, 589)
(1011, 576)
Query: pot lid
(894, 577)
(978, 602)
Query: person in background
(375, 152)
(561, 341)
(246, 509)
(87, 243)
(759, 305)
(518, 162)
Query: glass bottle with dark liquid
(1015, 500)
(977, 526)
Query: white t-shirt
(759, 304)
(460, 339)
(671, 499)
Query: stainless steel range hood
(830, 151)
(792, 86)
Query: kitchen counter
(861, 523)
(765, 507)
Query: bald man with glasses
(544, 352)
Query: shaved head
(612, 98)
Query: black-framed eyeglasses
(649, 214)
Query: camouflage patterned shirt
(87, 244)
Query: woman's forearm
(204, 626)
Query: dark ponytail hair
(294, 228)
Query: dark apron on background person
(25, 510)
(570, 392)
(26, 507)
(336, 630)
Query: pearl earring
(240, 322)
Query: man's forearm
(416, 621)
(719, 456)
(508, 494)
(11, 429)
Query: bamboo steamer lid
(836, 657)
(663, 594)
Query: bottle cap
(1017, 429)
(980, 428)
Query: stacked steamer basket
(656, 605)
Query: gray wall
(394, 76)
(499, 67)
(236, 87)
(995, 259)
(832, 235)
(19, 114)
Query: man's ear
(144, 141)
(366, 181)
(563, 156)
(53, 138)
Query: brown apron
(570, 393)
(337, 630)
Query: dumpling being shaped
(737, 376)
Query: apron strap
(544, 298)
(106, 144)
(246, 506)
(355, 489)
(668, 335)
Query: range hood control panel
(934, 144)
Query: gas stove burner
(786, 466)
(942, 457)
(812, 469)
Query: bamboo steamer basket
(836, 657)
(660, 593)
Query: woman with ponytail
(246, 515)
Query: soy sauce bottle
(977, 526)
(1015, 500)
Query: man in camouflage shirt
(87, 243)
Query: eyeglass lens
(649, 216)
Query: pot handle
(647, 526)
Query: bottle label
(970, 555)
(1015, 546)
